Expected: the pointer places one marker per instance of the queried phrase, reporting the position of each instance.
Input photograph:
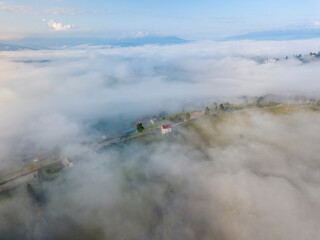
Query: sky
(197, 20)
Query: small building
(165, 129)
(153, 120)
(104, 137)
(312, 101)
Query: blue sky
(201, 19)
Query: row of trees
(176, 119)
(207, 109)
(188, 116)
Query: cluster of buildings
(165, 129)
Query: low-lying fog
(262, 184)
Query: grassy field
(28, 168)
(210, 129)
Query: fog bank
(261, 183)
(249, 177)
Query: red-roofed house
(166, 129)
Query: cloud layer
(15, 8)
(250, 177)
(81, 85)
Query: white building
(153, 120)
(165, 129)
(104, 137)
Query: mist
(253, 176)
(263, 184)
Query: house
(312, 101)
(165, 129)
(104, 137)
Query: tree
(221, 107)
(162, 114)
(318, 102)
(30, 189)
(207, 111)
(188, 116)
(140, 128)
(260, 101)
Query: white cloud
(23, 9)
(66, 11)
(316, 23)
(81, 85)
(141, 34)
(134, 34)
(15, 8)
(268, 176)
(57, 26)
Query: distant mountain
(51, 43)
(10, 47)
(278, 35)
(167, 40)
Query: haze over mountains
(59, 42)
(34, 43)
(11, 47)
(278, 35)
